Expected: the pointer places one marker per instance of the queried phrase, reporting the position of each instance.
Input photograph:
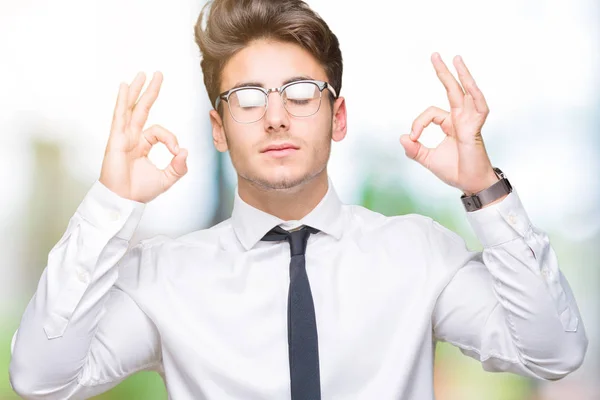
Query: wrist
(493, 194)
(492, 179)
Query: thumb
(415, 150)
(176, 169)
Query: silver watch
(486, 196)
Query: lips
(279, 147)
(280, 150)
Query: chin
(279, 181)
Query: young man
(296, 295)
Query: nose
(276, 116)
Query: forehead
(270, 63)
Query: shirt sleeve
(80, 334)
(509, 306)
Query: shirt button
(114, 216)
(512, 219)
(83, 276)
(546, 272)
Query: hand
(126, 169)
(461, 159)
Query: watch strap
(489, 195)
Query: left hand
(460, 159)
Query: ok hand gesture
(126, 169)
(461, 159)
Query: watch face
(499, 172)
(508, 185)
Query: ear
(338, 124)
(218, 132)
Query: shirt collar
(251, 224)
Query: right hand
(126, 169)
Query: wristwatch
(486, 196)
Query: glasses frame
(320, 84)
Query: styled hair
(232, 24)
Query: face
(272, 63)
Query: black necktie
(303, 341)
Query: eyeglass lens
(300, 99)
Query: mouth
(280, 150)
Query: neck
(286, 204)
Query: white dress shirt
(208, 310)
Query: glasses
(249, 104)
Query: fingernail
(412, 135)
(176, 149)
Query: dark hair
(233, 24)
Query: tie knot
(297, 239)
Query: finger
(135, 89)
(142, 108)
(119, 115)
(468, 82)
(156, 134)
(453, 88)
(416, 150)
(431, 114)
(469, 105)
(176, 169)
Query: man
(296, 295)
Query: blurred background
(537, 63)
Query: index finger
(143, 106)
(453, 88)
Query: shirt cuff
(107, 210)
(500, 222)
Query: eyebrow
(260, 84)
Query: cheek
(321, 132)
(241, 143)
(233, 135)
